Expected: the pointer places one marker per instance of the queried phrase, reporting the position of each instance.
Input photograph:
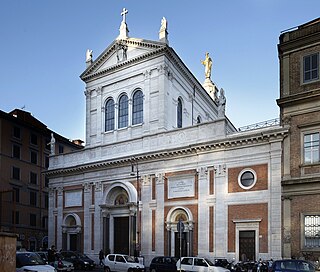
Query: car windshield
(29, 258)
(129, 259)
(82, 255)
(209, 262)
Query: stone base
(210, 88)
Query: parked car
(30, 261)
(199, 264)
(222, 262)
(122, 263)
(79, 260)
(247, 266)
(163, 264)
(289, 265)
(60, 264)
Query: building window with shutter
(311, 147)
(310, 68)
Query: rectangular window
(46, 200)
(15, 217)
(33, 198)
(61, 149)
(312, 231)
(33, 178)
(16, 151)
(311, 67)
(33, 220)
(46, 162)
(311, 147)
(33, 157)
(46, 182)
(34, 139)
(15, 173)
(16, 195)
(17, 132)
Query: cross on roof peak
(123, 14)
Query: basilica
(164, 171)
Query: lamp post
(135, 172)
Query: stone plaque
(181, 187)
(73, 198)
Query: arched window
(123, 111)
(137, 108)
(179, 113)
(109, 115)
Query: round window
(247, 179)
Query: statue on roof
(52, 145)
(164, 24)
(207, 65)
(88, 55)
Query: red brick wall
(262, 178)
(248, 211)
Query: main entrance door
(121, 235)
(183, 244)
(247, 245)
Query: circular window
(247, 179)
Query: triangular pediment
(120, 52)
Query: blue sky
(43, 45)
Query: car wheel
(107, 269)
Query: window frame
(303, 231)
(303, 148)
(242, 172)
(16, 148)
(14, 134)
(33, 152)
(13, 173)
(123, 111)
(109, 115)
(33, 198)
(137, 107)
(304, 71)
(179, 112)
(33, 178)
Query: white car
(30, 261)
(121, 263)
(198, 264)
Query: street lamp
(135, 172)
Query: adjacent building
(163, 164)
(299, 104)
(25, 147)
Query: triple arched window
(122, 114)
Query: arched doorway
(180, 243)
(71, 232)
(119, 218)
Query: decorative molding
(146, 179)
(203, 172)
(98, 186)
(160, 178)
(60, 191)
(220, 170)
(86, 186)
(237, 141)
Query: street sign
(180, 226)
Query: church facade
(163, 165)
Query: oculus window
(247, 179)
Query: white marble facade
(92, 191)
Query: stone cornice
(231, 142)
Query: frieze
(86, 186)
(147, 74)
